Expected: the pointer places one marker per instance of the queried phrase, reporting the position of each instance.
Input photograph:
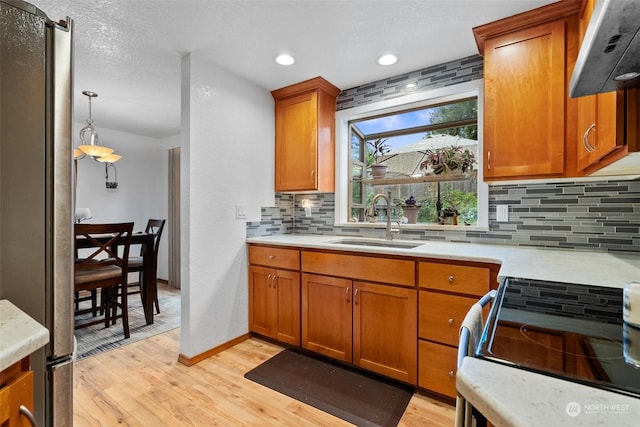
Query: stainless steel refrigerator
(36, 197)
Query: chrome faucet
(373, 208)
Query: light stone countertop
(580, 267)
(510, 396)
(517, 398)
(20, 335)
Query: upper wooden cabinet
(527, 63)
(601, 117)
(305, 136)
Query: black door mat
(356, 397)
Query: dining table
(149, 286)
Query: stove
(573, 332)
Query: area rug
(98, 339)
(354, 396)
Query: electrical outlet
(502, 213)
(306, 205)
(241, 211)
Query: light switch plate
(502, 213)
(241, 211)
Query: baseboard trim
(190, 361)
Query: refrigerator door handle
(60, 191)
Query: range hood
(610, 49)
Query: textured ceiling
(128, 51)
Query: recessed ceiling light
(285, 59)
(387, 59)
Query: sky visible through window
(396, 122)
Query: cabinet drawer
(437, 368)
(274, 257)
(454, 278)
(392, 271)
(441, 315)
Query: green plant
(379, 148)
(449, 159)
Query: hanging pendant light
(89, 139)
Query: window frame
(412, 101)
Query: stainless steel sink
(378, 243)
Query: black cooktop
(574, 332)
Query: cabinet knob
(347, 294)
(452, 374)
(272, 257)
(451, 279)
(451, 322)
(269, 280)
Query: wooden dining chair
(104, 268)
(136, 264)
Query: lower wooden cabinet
(16, 390)
(274, 303)
(437, 367)
(373, 326)
(327, 316)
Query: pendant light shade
(109, 158)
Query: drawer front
(274, 257)
(454, 278)
(386, 270)
(437, 368)
(441, 315)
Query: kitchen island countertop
(518, 398)
(20, 334)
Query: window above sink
(454, 114)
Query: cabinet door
(13, 395)
(326, 316)
(385, 330)
(287, 288)
(598, 124)
(296, 142)
(262, 313)
(525, 96)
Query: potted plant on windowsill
(379, 148)
(448, 160)
(410, 210)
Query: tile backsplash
(580, 215)
(588, 215)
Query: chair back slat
(104, 252)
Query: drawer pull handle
(355, 296)
(451, 321)
(451, 279)
(269, 280)
(272, 257)
(28, 415)
(347, 292)
(452, 374)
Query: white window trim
(445, 94)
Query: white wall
(226, 158)
(142, 191)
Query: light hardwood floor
(142, 384)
